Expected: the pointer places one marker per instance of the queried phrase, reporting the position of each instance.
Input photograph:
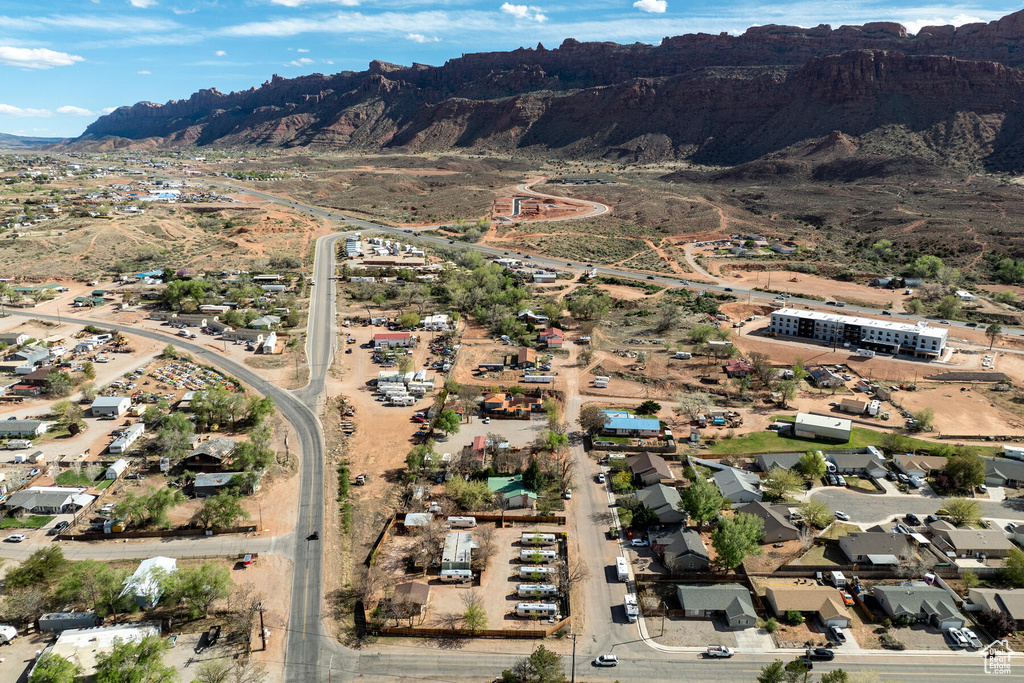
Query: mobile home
(456, 575)
(462, 522)
(536, 572)
(537, 555)
(536, 590)
(537, 539)
(537, 609)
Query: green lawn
(772, 442)
(79, 477)
(104, 484)
(26, 522)
(828, 554)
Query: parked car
(957, 637)
(568, 494)
(972, 638)
(832, 480)
(720, 651)
(600, 478)
(912, 519)
(821, 654)
(841, 480)
(842, 516)
(638, 543)
(904, 478)
(15, 538)
(836, 635)
(930, 519)
(606, 660)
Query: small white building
(125, 441)
(110, 406)
(965, 295)
(144, 584)
(809, 426)
(117, 469)
(437, 322)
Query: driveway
(865, 508)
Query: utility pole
(263, 631)
(329, 667)
(573, 658)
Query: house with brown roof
(650, 469)
(823, 602)
(853, 406)
(1009, 600)
(526, 359)
(737, 368)
(409, 600)
(553, 337)
(507, 405)
(970, 542)
(919, 465)
(777, 526)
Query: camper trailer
(537, 610)
(537, 539)
(462, 522)
(537, 555)
(534, 573)
(632, 608)
(622, 568)
(536, 590)
(455, 575)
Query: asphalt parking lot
(867, 508)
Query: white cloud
(11, 110)
(653, 6)
(420, 38)
(301, 49)
(144, 72)
(299, 3)
(301, 61)
(523, 12)
(220, 53)
(36, 58)
(142, 4)
(916, 25)
(107, 110)
(74, 111)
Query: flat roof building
(809, 426)
(884, 336)
(458, 550)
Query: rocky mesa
(953, 95)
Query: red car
(418, 418)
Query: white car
(957, 637)
(972, 638)
(606, 660)
(600, 478)
(15, 538)
(720, 651)
(568, 494)
(638, 543)
(842, 515)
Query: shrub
(889, 642)
(771, 625)
(794, 618)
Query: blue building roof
(643, 423)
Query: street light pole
(573, 658)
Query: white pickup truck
(720, 651)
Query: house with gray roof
(920, 602)
(777, 526)
(22, 428)
(48, 500)
(730, 601)
(969, 542)
(738, 486)
(1003, 472)
(649, 468)
(664, 502)
(870, 463)
(1009, 600)
(211, 483)
(786, 461)
(877, 548)
(681, 550)
(32, 355)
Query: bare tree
(450, 620)
(561, 465)
(693, 404)
(806, 537)
(430, 541)
(486, 546)
(763, 369)
(572, 573)
(247, 670)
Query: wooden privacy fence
(380, 539)
(422, 632)
(160, 534)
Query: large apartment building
(884, 336)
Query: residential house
(738, 486)
(964, 295)
(14, 338)
(784, 248)
(777, 526)
(36, 378)
(737, 368)
(526, 359)
(211, 483)
(409, 599)
(970, 542)
(1017, 533)
(507, 405)
(22, 428)
(128, 438)
(728, 601)
(533, 318)
(48, 500)
(1009, 600)
(628, 425)
(391, 340)
(209, 456)
(243, 334)
(84, 645)
(265, 322)
(823, 378)
(681, 550)
(110, 406)
(870, 463)
(514, 492)
(786, 461)
(145, 586)
(478, 451)
(876, 548)
(918, 601)
(553, 337)
(1003, 472)
(919, 465)
(823, 602)
(650, 469)
(663, 501)
(437, 322)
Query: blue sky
(64, 62)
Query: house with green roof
(512, 488)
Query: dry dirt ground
(801, 283)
